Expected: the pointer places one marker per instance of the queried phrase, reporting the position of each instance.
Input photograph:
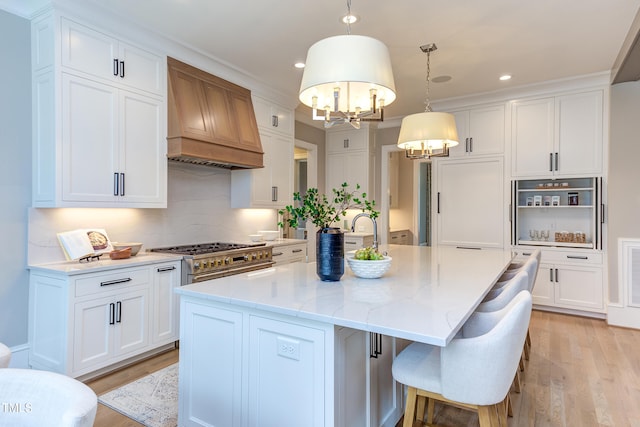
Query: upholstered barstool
(474, 371)
(5, 356)
(42, 398)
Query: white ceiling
(478, 40)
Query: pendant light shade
(348, 78)
(428, 134)
(429, 131)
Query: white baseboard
(19, 356)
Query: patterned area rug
(151, 400)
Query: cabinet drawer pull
(577, 257)
(469, 247)
(119, 312)
(115, 282)
(350, 243)
(277, 254)
(295, 251)
(160, 270)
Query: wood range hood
(210, 120)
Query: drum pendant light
(428, 134)
(347, 79)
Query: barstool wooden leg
(410, 407)
(522, 363)
(516, 382)
(431, 404)
(420, 407)
(527, 345)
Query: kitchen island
(279, 346)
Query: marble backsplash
(198, 211)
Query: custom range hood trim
(210, 121)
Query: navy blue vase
(330, 254)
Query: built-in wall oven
(206, 261)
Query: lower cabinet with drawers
(289, 250)
(569, 281)
(357, 240)
(400, 237)
(82, 324)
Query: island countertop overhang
(425, 296)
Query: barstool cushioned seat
(41, 398)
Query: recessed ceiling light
(349, 19)
(299, 65)
(505, 77)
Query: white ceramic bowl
(135, 247)
(369, 269)
(269, 234)
(255, 237)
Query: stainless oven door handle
(230, 272)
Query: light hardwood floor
(581, 373)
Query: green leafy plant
(324, 211)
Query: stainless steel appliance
(205, 261)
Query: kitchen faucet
(375, 227)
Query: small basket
(369, 269)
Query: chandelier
(347, 79)
(428, 134)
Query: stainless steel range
(207, 261)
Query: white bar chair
(472, 371)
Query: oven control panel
(213, 262)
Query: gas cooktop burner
(205, 248)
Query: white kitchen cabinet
(394, 178)
(400, 237)
(165, 315)
(273, 117)
(469, 202)
(289, 251)
(106, 329)
(480, 131)
(110, 147)
(211, 383)
(97, 142)
(81, 324)
(349, 159)
(366, 393)
(270, 186)
(559, 136)
(569, 280)
(100, 55)
(357, 240)
(239, 367)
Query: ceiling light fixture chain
(349, 17)
(428, 48)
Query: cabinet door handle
(112, 314)
(122, 69)
(119, 313)
(550, 162)
(551, 275)
(122, 184)
(345, 143)
(160, 270)
(602, 213)
(438, 203)
(115, 282)
(115, 67)
(274, 121)
(466, 145)
(274, 194)
(295, 251)
(557, 279)
(470, 145)
(556, 157)
(375, 345)
(116, 184)
(577, 257)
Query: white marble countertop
(103, 264)
(426, 295)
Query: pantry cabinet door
(532, 137)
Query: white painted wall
(15, 175)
